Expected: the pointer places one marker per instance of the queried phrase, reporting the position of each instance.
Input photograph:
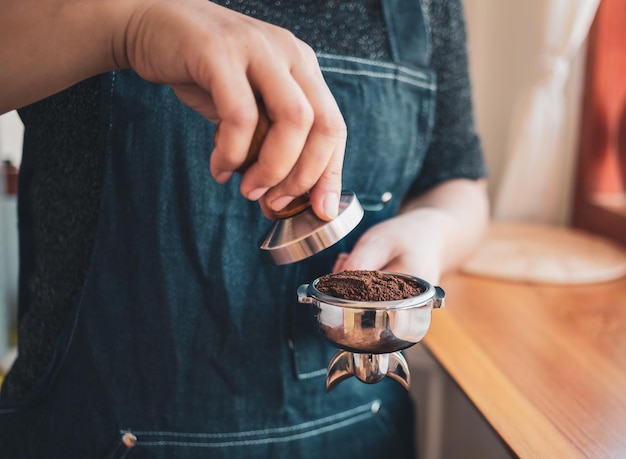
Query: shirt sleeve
(455, 150)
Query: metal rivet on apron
(129, 440)
(376, 202)
(375, 407)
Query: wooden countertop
(545, 365)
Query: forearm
(459, 210)
(46, 46)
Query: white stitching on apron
(322, 425)
(372, 63)
(388, 76)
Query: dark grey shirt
(61, 176)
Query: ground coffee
(365, 285)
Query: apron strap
(408, 31)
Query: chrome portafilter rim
(431, 292)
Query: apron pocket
(338, 435)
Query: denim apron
(185, 342)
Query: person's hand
(433, 234)
(220, 62)
(410, 243)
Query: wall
(503, 45)
(11, 131)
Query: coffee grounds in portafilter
(363, 285)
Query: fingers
(237, 60)
(238, 115)
(339, 263)
(326, 193)
(291, 119)
(304, 147)
(370, 252)
(318, 165)
(391, 246)
(317, 170)
(427, 268)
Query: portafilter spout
(368, 368)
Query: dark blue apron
(185, 342)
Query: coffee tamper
(297, 233)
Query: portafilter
(370, 335)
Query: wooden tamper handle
(294, 207)
(263, 126)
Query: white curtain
(531, 186)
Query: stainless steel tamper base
(369, 368)
(304, 234)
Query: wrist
(96, 40)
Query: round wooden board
(529, 252)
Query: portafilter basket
(370, 335)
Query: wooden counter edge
(520, 425)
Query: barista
(142, 297)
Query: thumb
(326, 193)
(430, 272)
(370, 253)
